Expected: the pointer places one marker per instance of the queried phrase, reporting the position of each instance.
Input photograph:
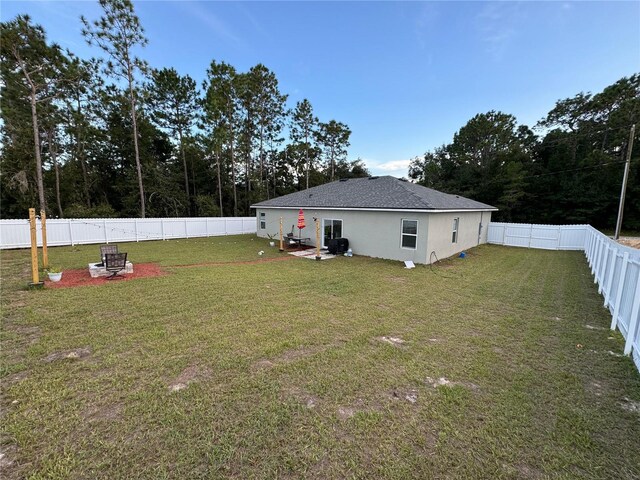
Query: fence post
(633, 320)
(612, 268)
(162, 228)
(225, 226)
(504, 234)
(616, 305)
(135, 227)
(70, 232)
(104, 226)
(596, 265)
(603, 268)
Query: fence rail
(615, 268)
(15, 233)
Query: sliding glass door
(331, 229)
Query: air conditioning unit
(338, 246)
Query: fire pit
(98, 270)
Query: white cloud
(394, 165)
(395, 168)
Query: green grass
(289, 377)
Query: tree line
(568, 168)
(111, 136)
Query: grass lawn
(278, 369)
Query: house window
(263, 221)
(454, 234)
(409, 234)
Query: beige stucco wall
(378, 234)
(441, 230)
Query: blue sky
(405, 76)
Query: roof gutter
(413, 210)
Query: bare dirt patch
(444, 382)
(444, 266)
(104, 412)
(409, 395)
(630, 405)
(290, 356)
(189, 375)
(633, 242)
(14, 378)
(396, 279)
(302, 396)
(7, 458)
(74, 354)
(395, 341)
(345, 413)
(591, 327)
(80, 277)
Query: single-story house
(382, 217)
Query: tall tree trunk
(193, 179)
(307, 159)
(333, 164)
(81, 158)
(233, 177)
(219, 183)
(186, 172)
(262, 156)
(36, 141)
(135, 141)
(54, 157)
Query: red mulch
(81, 277)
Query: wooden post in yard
(34, 250)
(318, 240)
(281, 246)
(45, 254)
(624, 182)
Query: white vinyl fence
(616, 268)
(549, 237)
(15, 233)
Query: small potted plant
(272, 243)
(54, 273)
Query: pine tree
(117, 32)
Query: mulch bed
(81, 277)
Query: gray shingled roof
(374, 192)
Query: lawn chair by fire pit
(114, 263)
(104, 249)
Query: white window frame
(456, 230)
(263, 220)
(322, 232)
(402, 234)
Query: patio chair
(115, 263)
(104, 249)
